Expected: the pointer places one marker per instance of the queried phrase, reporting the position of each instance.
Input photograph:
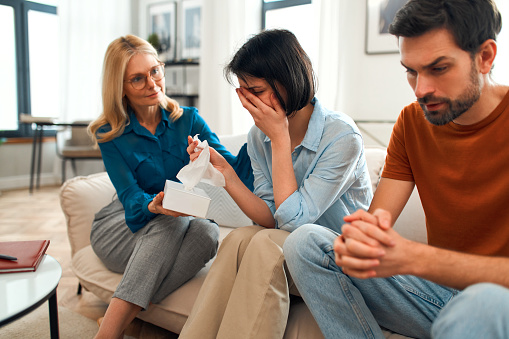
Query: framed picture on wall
(162, 26)
(379, 15)
(191, 29)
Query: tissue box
(193, 202)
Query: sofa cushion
(81, 198)
(411, 223)
(375, 158)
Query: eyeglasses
(140, 81)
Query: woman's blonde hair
(117, 56)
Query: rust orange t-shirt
(462, 175)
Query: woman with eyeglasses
(142, 134)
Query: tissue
(201, 170)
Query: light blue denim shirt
(330, 168)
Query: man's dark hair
(471, 22)
(276, 56)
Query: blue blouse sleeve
(262, 175)
(330, 177)
(334, 173)
(132, 197)
(240, 163)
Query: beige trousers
(246, 292)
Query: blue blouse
(139, 163)
(330, 168)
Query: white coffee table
(21, 293)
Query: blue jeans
(479, 311)
(346, 307)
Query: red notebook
(29, 254)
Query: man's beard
(455, 107)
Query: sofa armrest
(81, 198)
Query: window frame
(21, 8)
(268, 6)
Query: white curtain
(227, 24)
(86, 29)
(330, 31)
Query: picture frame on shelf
(191, 29)
(379, 15)
(162, 28)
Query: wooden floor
(25, 216)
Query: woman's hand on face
(156, 207)
(271, 120)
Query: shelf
(182, 63)
(180, 95)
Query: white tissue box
(193, 202)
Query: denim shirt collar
(315, 128)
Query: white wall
(372, 87)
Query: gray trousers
(157, 259)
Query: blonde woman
(142, 134)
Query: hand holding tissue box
(192, 202)
(185, 197)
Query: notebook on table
(28, 254)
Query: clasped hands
(368, 246)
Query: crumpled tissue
(201, 170)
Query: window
(290, 14)
(29, 64)
(8, 90)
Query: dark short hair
(471, 22)
(276, 56)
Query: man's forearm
(459, 270)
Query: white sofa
(81, 197)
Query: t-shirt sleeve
(397, 165)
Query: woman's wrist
(152, 207)
(281, 142)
